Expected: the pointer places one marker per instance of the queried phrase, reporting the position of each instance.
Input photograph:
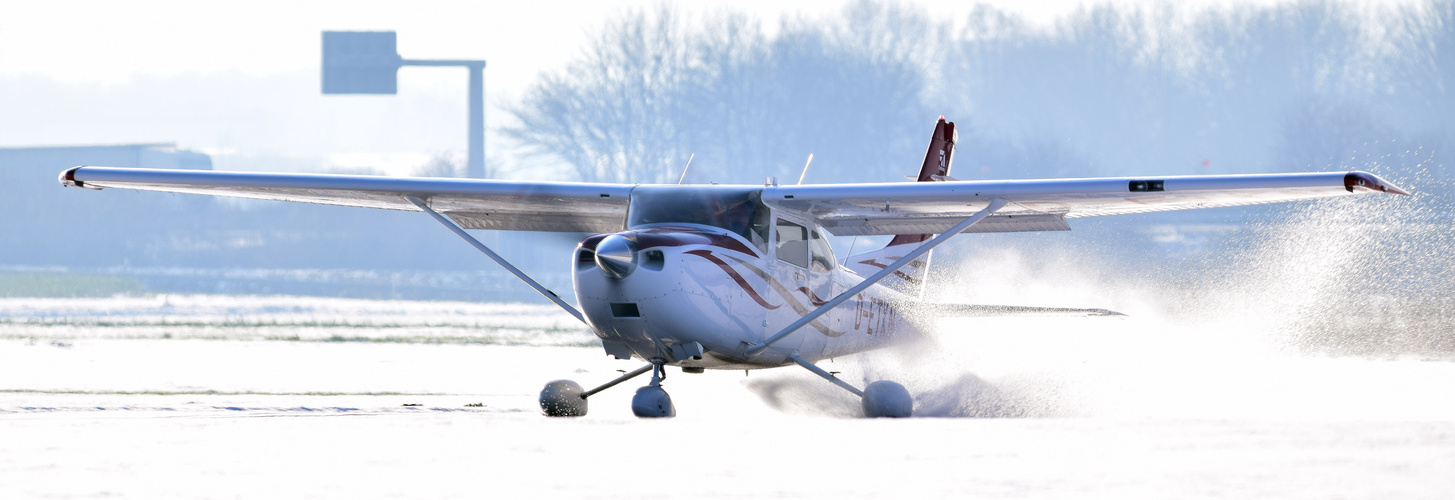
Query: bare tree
(608, 114)
(442, 165)
(654, 89)
(1107, 90)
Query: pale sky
(91, 43)
(109, 41)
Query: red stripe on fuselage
(675, 236)
(737, 278)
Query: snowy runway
(475, 454)
(1107, 412)
(226, 419)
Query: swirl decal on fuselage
(737, 278)
(788, 297)
(813, 298)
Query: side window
(823, 253)
(792, 243)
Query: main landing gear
(887, 399)
(881, 398)
(564, 398)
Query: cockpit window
(735, 209)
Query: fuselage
(699, 291)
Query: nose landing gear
(651, 401)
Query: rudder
(910, 279)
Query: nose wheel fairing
(651, 401)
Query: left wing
(472, 203)
(1044, 205)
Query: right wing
(472, 203)
(1045, 204)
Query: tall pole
(475, 163)
(365, 62)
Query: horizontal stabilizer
(909, 279)
(981, 311)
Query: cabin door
(802, 268)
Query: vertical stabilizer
(941, 152)
(911, 278)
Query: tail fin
(942, 151)
(911, 278)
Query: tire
(562, 398)
(887, 399)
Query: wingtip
(1366, 180)
(68, 179)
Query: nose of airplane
(616, 256)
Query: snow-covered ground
(94, 403)
(232, 317)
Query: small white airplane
(741, 276)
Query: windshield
(734, 208)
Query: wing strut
(495, 257)
(825, 374)
(623, 378)
(995, 204)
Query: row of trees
(655, 89)
(1107, 90)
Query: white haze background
(1298, 351)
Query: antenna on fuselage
(851, 249)
(805, 168)
(684, 169)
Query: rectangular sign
(360, 62)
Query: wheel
(887, 399)
(653, 402)
(562, 398)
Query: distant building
(194, 243)
(42, 223)
(160, 155)
(30, 175)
